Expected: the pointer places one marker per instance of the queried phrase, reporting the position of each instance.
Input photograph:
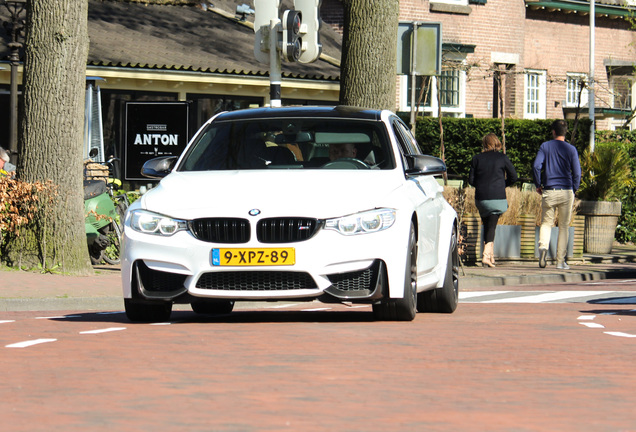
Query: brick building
(530, 54)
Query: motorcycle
(102, 223)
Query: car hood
(316, 193)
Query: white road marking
(59, 317)
(587, 317)
(106, 330)
(473, 294)
(162, 323)
(621, 334)
(547, 297)
(316, 309)
(6, 321)
(592, 325)
(29, 343)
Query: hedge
(462, 140)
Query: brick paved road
(494, 367)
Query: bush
(462, 140)
(22, 204)
(626, 229)
(606, 173)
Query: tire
(212, 307)
(112, 254)
(121, 208)
(147, 312)
(405, 308)
(96, 257)
(444, 299)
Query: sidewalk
(621, 263)
(34, 291)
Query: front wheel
(137, 311)
(405, 308)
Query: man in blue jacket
(557, 176)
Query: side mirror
(159, 167)
(424, 165)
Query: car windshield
(288, 143)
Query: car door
(423, 190)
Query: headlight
(361, 223)
(153, 223)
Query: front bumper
(329, 266)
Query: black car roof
(341, 111)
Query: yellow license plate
(254, 257)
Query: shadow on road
(261, 316)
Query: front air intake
(221, 230)
(286, 229)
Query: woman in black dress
(490, 173)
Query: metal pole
(592, 55)
(274, 65)
(413, 75)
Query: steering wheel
(346, 163)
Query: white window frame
(631, 87)
(534, 99)
(457, 111)
(572, 90)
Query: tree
(369, 53)
(51, 134)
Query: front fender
(447, 225)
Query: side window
(402, 144)
(405, 137)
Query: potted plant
(606, 174)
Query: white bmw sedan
(300, 203)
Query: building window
(449, 88)
(452, 93)
(622, 92)
(535, 89)
(423, 91)
(576, 86)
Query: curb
(473, 281)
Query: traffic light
(265, 11)
(292, 43)
(311, 23)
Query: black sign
(153, 129)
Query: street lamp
(15, 30)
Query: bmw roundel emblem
(254, 212)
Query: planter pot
(471, 232)
(530, 237)
(507, 241)
(554, 238)
(601, 218)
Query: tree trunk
(51, 134)
(369, 53)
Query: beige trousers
(563, 201)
